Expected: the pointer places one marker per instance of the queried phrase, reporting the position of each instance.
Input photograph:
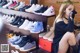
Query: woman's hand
(71, 13)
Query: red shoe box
(45, 44)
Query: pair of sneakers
(18, 21)
(8, 18)
(49, 12)
(21, 5)
(34, 8)
(2, 3)
(33, 27)
(12, 5)
(25, 43)
(9, 3)
(45, 11)
(29, 46)
(12, 37)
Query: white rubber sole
(28, 49)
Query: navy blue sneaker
(22, 42)
(16, 17)
(25, 7)
(42, 10)
(3, 2)
(15, 22)
(0, 1)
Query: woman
(63, 29)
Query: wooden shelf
(24, 14)
(31, 16)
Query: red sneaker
(12, 5)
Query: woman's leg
(67, 39)
(48, 34)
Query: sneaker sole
(28, 49)
(37, 32)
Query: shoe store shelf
(24, 14)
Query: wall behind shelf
(57, 6)
(26, 1)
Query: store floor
(3, 40)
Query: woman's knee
(72, 39)
(67, 39)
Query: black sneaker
(21, 22)
(33, 2)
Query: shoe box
(45, 44)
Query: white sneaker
(26, 22)
(5, 6)
(29, 26)
(49, 12)
(9, 17)
(13, 39)
(37, 7)
(31, 8)
(22, 4)
(6, 17)
(3, 17)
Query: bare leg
(48, 35)
(67, 39)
